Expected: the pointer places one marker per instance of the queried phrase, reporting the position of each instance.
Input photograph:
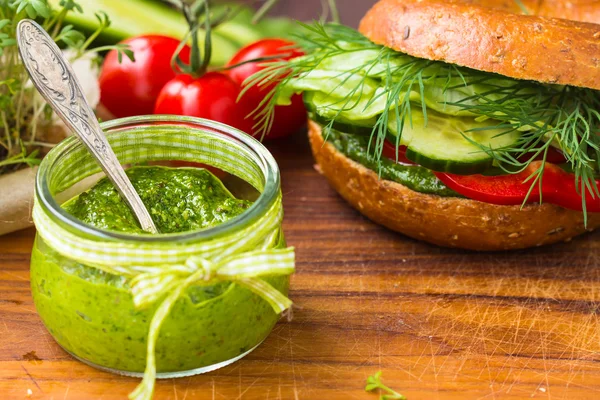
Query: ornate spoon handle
(54, 79)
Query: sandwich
(468, 124)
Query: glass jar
(87, 301)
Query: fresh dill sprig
(544, 114)
(522, 7)
(561, 115)
(374, 383)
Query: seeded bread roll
(444, 221)
(469, 34)
(576, 10)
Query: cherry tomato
(558, 187)
(287, 119)
(212, 96)
(131, 88)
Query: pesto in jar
(91, 312)
(178, 199)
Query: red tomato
(287, 119)
(558, 187)
(212, 96)
(131, 88)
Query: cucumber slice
(314, 104)
(355, 97)
(360, 127)
(129, 18)
(440, 144)
(357, 110)
(332, 84)
(279, 27)
(341, 126)
(238, 33)
(139, 17)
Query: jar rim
(263, 158)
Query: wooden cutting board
(439, 323)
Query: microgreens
(546, 115)
(21, 113)
(22, 157)
(374, 383)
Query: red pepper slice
(389, 151)
(553, 156)
(558, 187)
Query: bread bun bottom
(444, 221)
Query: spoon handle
(53, 77)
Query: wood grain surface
(439, 323)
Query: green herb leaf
(23, 157)
(41, 8)
(69, 5)
(374, 383)
(129, 53)
(103, 19)
(33, 8)
(71, 37)
(524, 9)
(21, 4)
(371, 386)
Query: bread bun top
(576, 10)
(495, 36)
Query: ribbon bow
(244, 269)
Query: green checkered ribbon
(162, 271)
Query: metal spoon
(53, 77)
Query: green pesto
(91, 313)
(178, 199)
(419, 179)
